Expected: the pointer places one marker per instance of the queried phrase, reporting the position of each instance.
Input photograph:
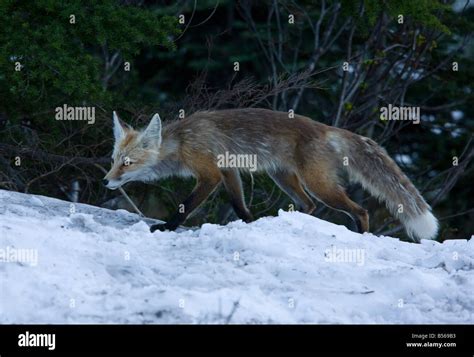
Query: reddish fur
(300, 154)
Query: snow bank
(82, 264)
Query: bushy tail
(371, 166)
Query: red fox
(305, 159)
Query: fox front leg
(162, 227)
(203, 189)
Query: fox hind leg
(291, 185)
(233, 186)
(334, 196)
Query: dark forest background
(290, 55)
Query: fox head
(135, 153)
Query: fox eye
(127, 161)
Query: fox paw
(162, 227)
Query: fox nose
(105, 182)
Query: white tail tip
(424, 226)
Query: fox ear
(119, 128)
(152, 134)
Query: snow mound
(74, 263)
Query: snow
(74, 263)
